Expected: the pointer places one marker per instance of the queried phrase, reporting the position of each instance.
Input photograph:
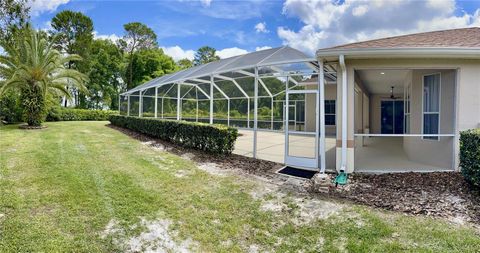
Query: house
(408, 97)
(387, 105)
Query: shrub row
(217, 139)
(71, 114)
(470, 156)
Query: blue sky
(235, 27)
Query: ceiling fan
(392, 96)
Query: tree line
(109, 67)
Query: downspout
(321, 103)
(343, 165)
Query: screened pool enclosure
(270, 91)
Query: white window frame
(330, 114)
(439, 105)
(407, 98)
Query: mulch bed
(439, 194)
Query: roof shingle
(455, 38)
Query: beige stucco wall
(330, 94)
(432, 152)
(467, 106)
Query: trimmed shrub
(470, 156)
(10, 108)
(71, 114)
(218, 139)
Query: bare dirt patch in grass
(156, 237)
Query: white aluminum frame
(304, 162)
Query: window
(431, 105)
(330, 112)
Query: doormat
(295, 172)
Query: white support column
(255, 114)
(228, 112)
(128, 105)
(286, 119)
(179, 101)
(140, 104)
(162, 106)
(211, 99)
(119, 103)
(271, 114)
(321, 88)
(156, 102)
(248, 112)
(196, 100)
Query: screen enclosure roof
(244, 64)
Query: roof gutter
(464, 53)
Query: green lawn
(83, 187)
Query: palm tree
(33, 67)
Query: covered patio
(404, 119)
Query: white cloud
(360, 10)
(330, 22)
(47, 26)
(177, 53)
(113, 37)
(206, 3)
(476, 19)
(262, 48)
(39, 6)
(307, 39)
(229, 52)
(261, 28)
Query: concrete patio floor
(378, 155)
(386, 154)
(271, 146)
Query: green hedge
(470, 156)
(211, 138)
(71, 114)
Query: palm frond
(33, 61)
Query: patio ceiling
(378, 81)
